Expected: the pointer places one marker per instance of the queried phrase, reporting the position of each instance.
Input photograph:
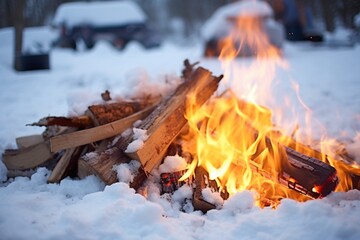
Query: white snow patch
(98, 13)
(126, 171)
(172, 164)
(90, 155)
(212, 197)
(137, 123)
(139, 138)
(240, 202)
(126, 133)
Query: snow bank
(53, 211)
(98, 13)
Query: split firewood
(28, 141)
(91, 135)
(67, 165)
(77, 122)
(167, 120)
(27, 158)
(101, 164)
(107, 113)
(34, 151)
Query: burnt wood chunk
(202, 181)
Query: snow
(92, 13)
(86, 209)
(357, 20)
(127, 171)
(212, 197)
(218, 24)
(173, 164)
(139, 137)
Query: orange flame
(229, 137)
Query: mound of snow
(98, 13)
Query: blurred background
(178, 19)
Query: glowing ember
(230, 137)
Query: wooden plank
(60, 168)
(168, 119)
(90, 135)
(28, 141)
(67, 165)
(27, 158)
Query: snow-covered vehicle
(117, 22)
(242, 22)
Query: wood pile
(101, 138)
(93, 144)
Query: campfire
(228, 140)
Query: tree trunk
(18, 8)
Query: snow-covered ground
(329, 82)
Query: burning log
(201, 182)
(167, 120)
(170, 181)
(304, 174)
(349, 175)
